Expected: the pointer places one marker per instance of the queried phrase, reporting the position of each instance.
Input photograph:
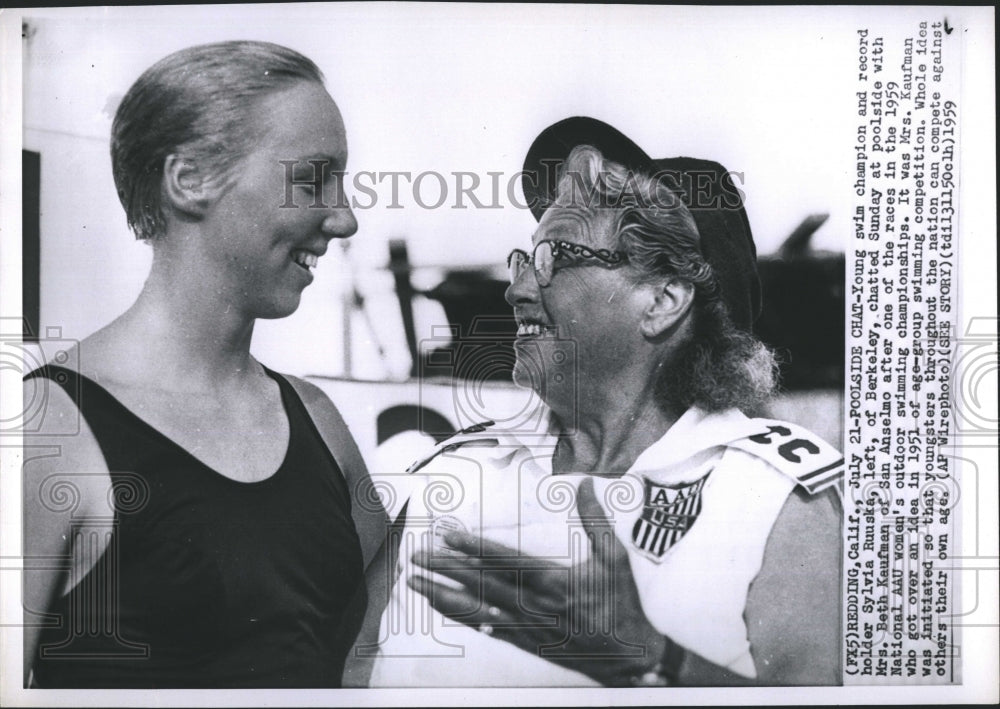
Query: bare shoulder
(310, 393)
(331, 426)
(64, 480)
(53, 422)
(65, 483)
(62, 459)
(324, 412)
(369, 515)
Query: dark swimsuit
(206, 581)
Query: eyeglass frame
(606, 258)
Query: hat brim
(726, 240)
(554, 144)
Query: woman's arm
(66, 483)
(370, 520)
(793, 607)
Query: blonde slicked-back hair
(197, 103)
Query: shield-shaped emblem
(668, 512)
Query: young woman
(220, 521)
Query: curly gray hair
(720, 366)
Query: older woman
(655, 534)
(215, 537)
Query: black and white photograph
(444, 354)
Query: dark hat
(705, 187)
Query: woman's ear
(186, 188)
(668, 306)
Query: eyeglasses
(547, 253)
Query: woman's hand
(587, 617)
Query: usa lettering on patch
(668, 512)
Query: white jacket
(694, 512)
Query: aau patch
(668, 512)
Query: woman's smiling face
(578, 329)
(270, 225)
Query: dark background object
(803, 314)
(803, 319)
(407, 417)
(483, 329)
(399, 264)
(31, 174)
